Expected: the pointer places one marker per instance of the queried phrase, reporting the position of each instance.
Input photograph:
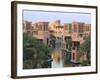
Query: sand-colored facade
(75, 31)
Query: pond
(57, 59)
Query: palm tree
(68, 41)
(52, 41)
(85, 48)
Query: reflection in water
(57, 59)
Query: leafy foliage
(35, 53)
(67, 58)
(52, 41)
(85, 48)
(68, 41)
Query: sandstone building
(68, 36)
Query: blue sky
(64, 17)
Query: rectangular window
(73, 56)
(75, 27)
(70, 28)
(81, 28)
